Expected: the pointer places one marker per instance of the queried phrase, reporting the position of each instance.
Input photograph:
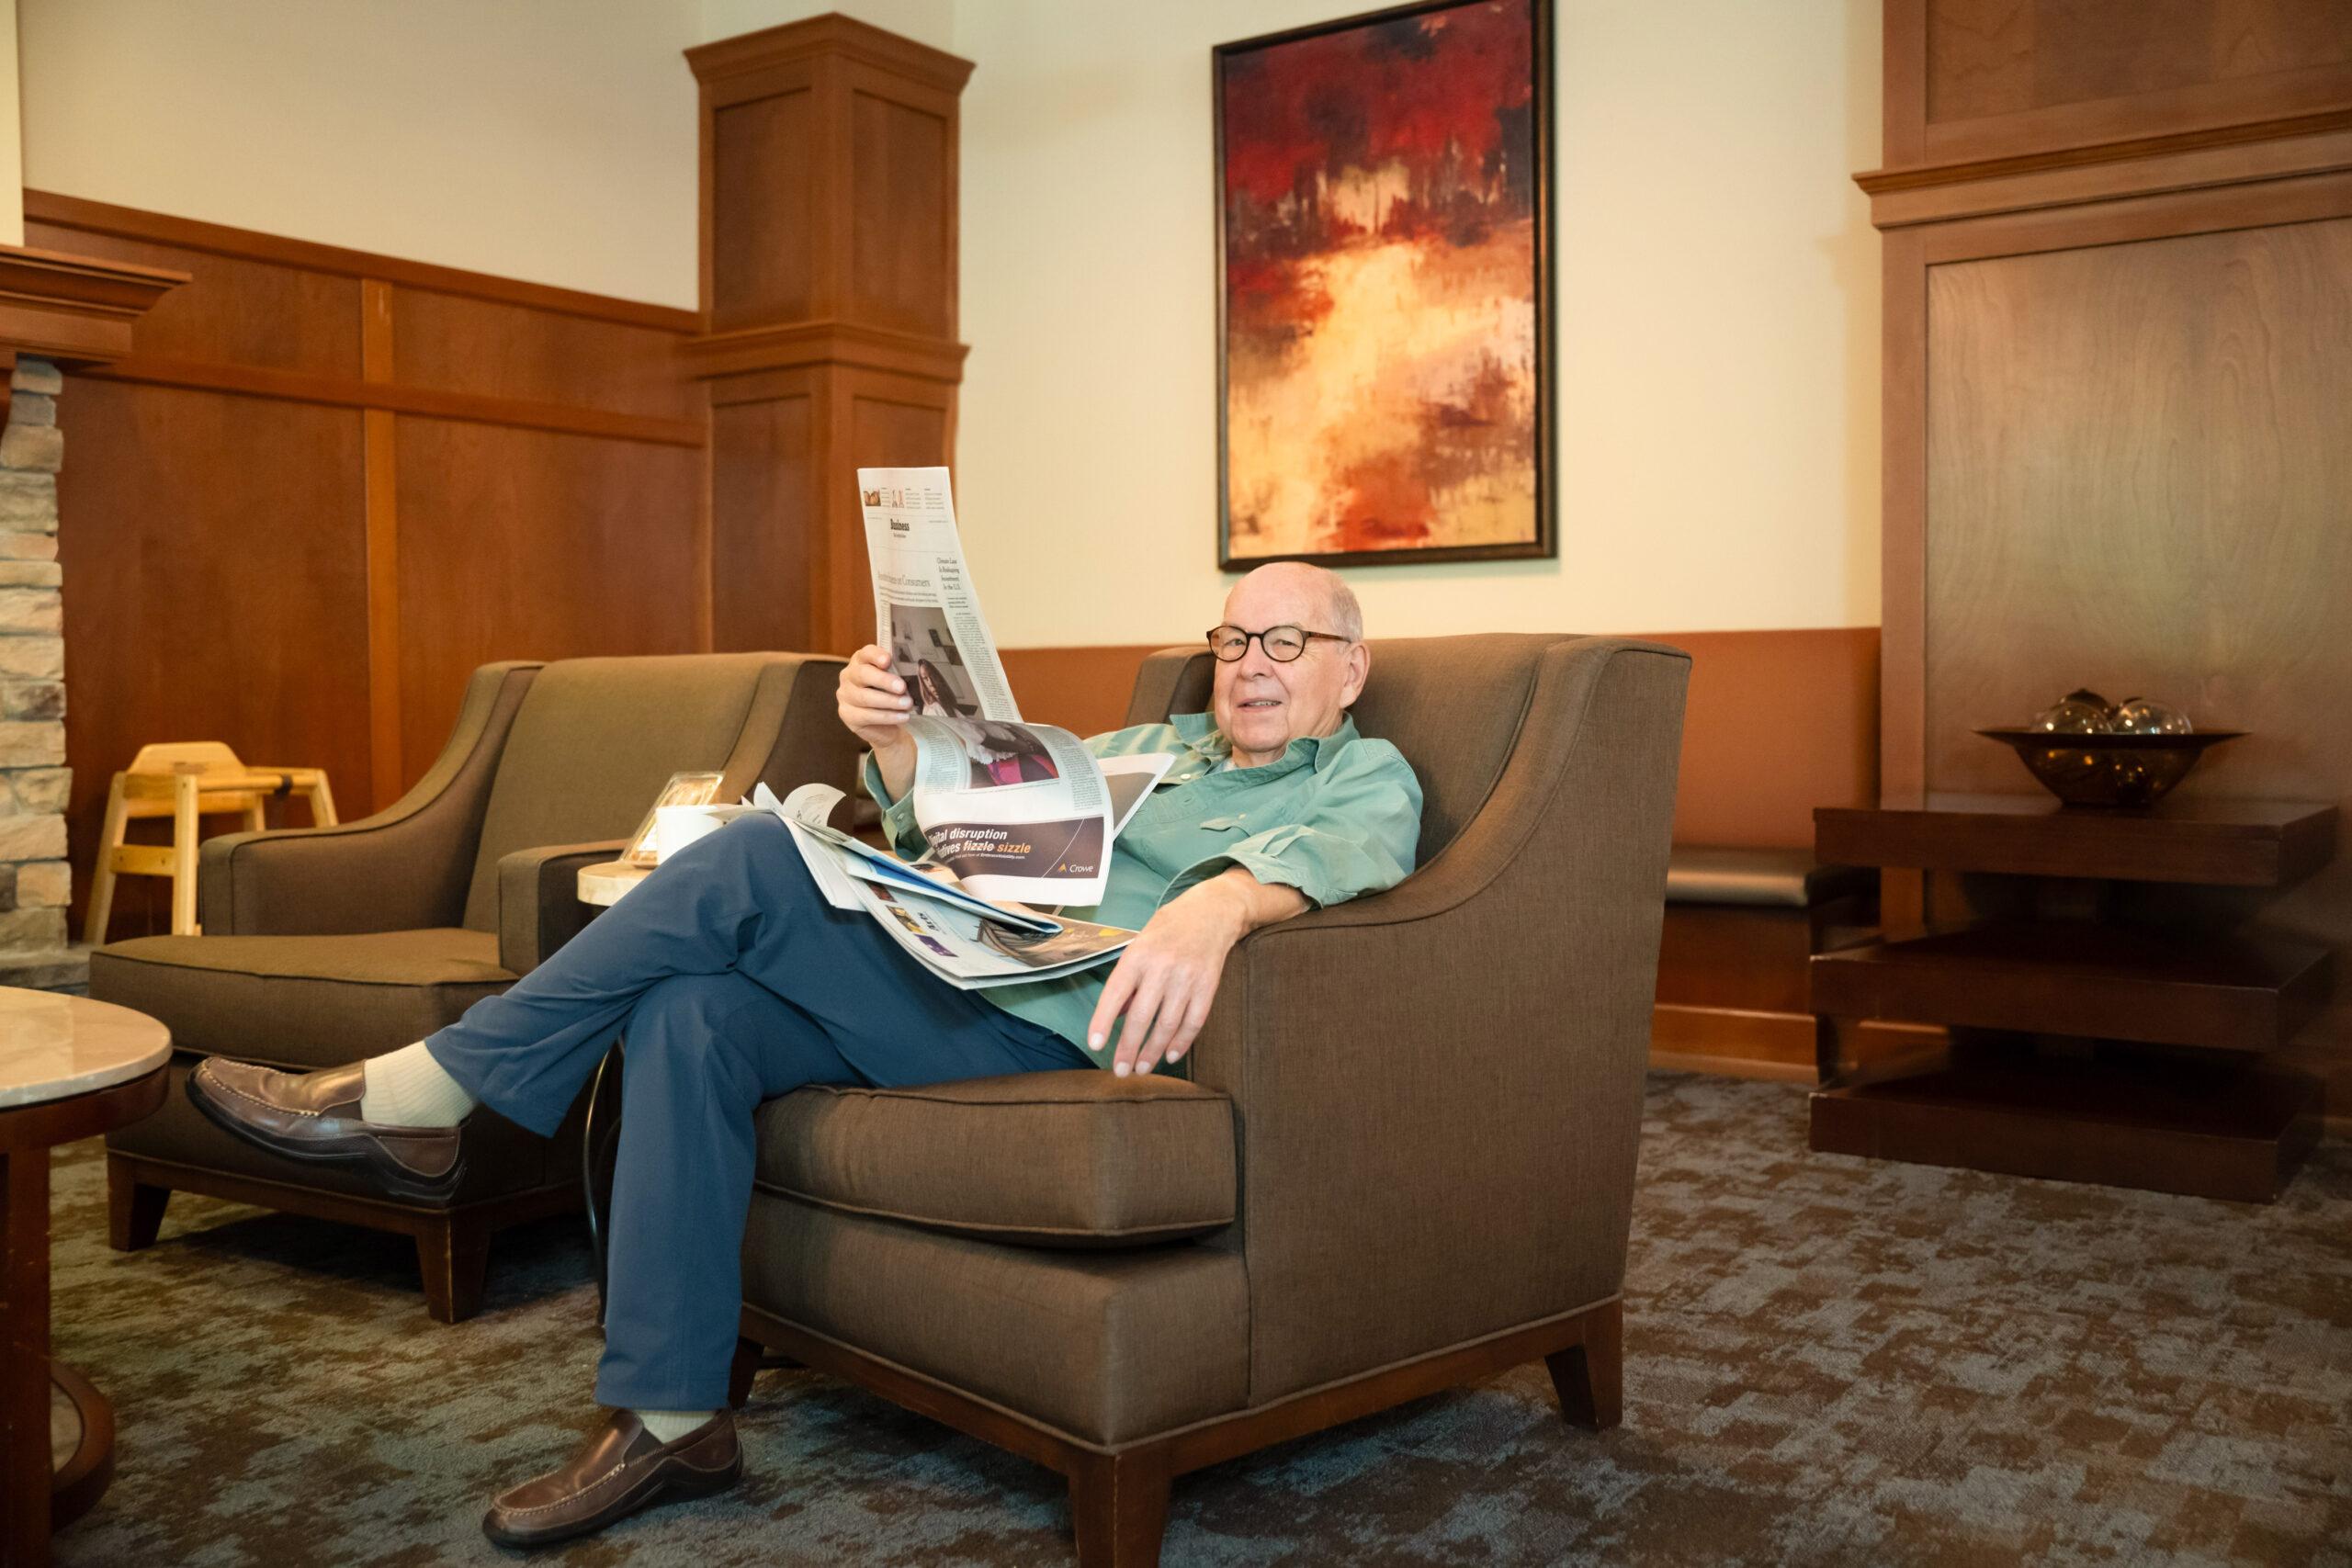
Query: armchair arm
(404, 867)
(539, 900)
(1438, 1089)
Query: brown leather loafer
(315, 1116)
(622, 1471)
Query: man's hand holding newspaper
(874, 704)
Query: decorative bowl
(2108, 769)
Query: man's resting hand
(1167, 977)
(874, 704)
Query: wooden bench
(1742, 926)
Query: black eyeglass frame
(1306, 639)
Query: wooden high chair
(185, 780)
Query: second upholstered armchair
(324, 946)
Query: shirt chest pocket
(1236, 823)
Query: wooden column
(2118, 428)
(829, 176)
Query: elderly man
(735, 982)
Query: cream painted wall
(925, 21)
(12, 140)
(546, 140)
(1717, 323)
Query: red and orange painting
(1384, 288)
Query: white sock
(408, 1089)
(669, 1425)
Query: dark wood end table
(2104, 1028)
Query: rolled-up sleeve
(1355, 833)
(898, 815)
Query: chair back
(594, 740)
(198, 757)
(1452, 704)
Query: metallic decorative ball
(2076, 712)
(2138, 716)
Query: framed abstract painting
(1384, 288)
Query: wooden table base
(2117, 1118)
(81, 1445)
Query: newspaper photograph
(926, 612)
(1015, 811)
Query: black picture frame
(1546, 544)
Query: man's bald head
(1319, 584)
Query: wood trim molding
(379, 469)
(217, 238)
(2232, 154)
(76, 310)
(834, 36)
(748, 349)
(2197, 107)
(293, 386)
(2241, 205)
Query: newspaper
(1016, 811)
(967, 940)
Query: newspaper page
(1017, 811)
(926, 612)
(970, 952)
(837, 861)
(966, 941)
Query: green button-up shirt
(1333, 817)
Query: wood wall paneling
(250, 313)
(453, 343)
(1970, 80)
(215, 589)
(763, 472)
(524, 544)
(764, 265)
(2158, 437)
(904, 155)
(328, 484)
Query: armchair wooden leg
(743, 1371)
(455, 1257)
(1590, 1376)
(1118, 1506)
(134, 1210)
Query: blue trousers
(734, 982)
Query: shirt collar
(1199, 731)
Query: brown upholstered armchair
(322, 946)
(1404, 1158)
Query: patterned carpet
(1827, 1361)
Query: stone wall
(35, 885)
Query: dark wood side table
(69, 1069)
(2103, 1029)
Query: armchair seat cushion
(301, 1001)
(1071, 1159)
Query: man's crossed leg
(734, 982)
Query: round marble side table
(604, 883)
(69, 1069)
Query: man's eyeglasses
(1281, 644)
